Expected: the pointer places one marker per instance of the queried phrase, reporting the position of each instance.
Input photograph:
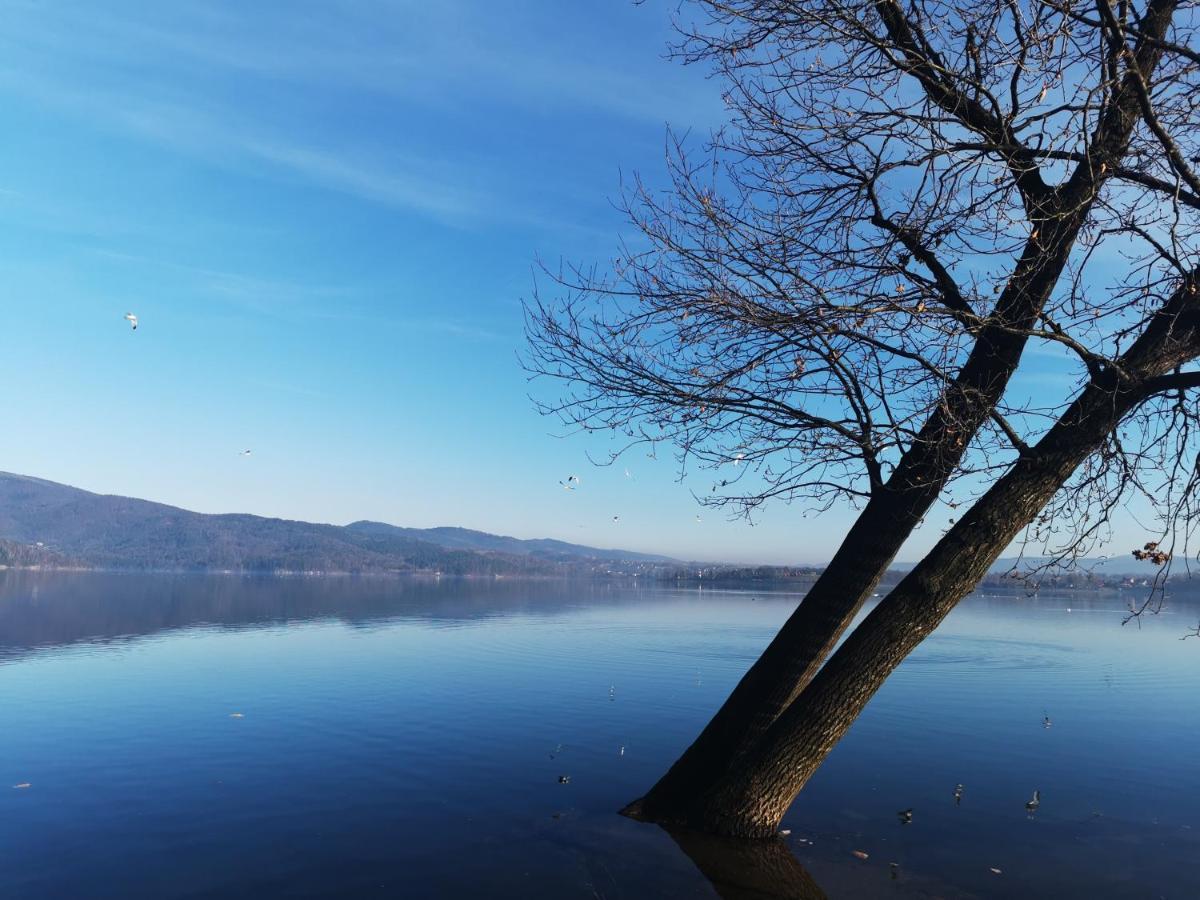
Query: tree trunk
(750, 799)
(792, 659)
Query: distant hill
(1106, 567)
(466, 539)
(45, 523)
(50, 525)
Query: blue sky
(325, 216)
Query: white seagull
(245, 453)
(132, 320)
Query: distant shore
(714, 577)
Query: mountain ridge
(454, 536)
(42, 519)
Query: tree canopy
(902, 191)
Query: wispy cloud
(406, 183)
(452, 51)
(465, 191)
(288, 299)
(278, 297)
(424, 107)
(457, 328)
(224, 138)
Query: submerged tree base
(634, 811)
(716, 824)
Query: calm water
(405, 739)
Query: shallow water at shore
(228, 737)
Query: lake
(189, 736)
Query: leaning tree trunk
(750, 799)
(793, 658)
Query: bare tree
(918, 210)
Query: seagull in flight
(616, 518)
(245, 453)
(132, 320)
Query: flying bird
(616, 518)
(132, 320)
(905, 816)
(245, 453)
(958, 792)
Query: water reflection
(43, 610)
(406, 736)
(748, 870)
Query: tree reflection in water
(748, 870)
